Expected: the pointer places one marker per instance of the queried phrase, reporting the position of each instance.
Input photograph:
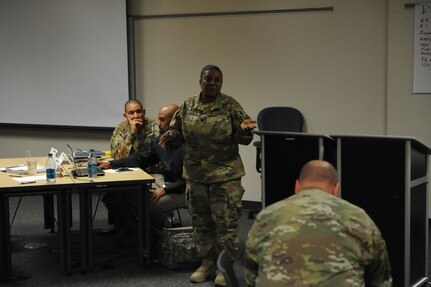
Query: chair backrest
(225, 265)
(286, 119)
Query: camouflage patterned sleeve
(378, 272)
(151, 131)
(120, 145)
(244, 137)
(250, 257)
(176, 124)
(238, 115)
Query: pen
(12, 175)
(26, 182)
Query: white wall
(329, 65)
(15, 141)
(349, 71)
(408, 113)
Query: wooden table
(63, 188)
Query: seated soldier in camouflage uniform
(315, 238)
(167, 196)
(134, 134)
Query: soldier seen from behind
(314, 238)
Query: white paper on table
(29, 178)
(53, 152)
(22, 169)
(60, 159)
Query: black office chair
(285, 119)
(225, 266)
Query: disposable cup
(31, 166)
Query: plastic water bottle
(51, 167)
(92, 164)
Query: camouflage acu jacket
(122, 147)
(315, 239)
(211, 134)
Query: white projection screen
(63, 62)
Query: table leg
(48, 211)
(144, 225)
(5, 246)
(64, 217)
(86, 224)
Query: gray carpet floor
(115, 264)
(115, 261)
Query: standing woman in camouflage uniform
(212, 125)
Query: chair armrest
(257, 144)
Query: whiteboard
(63, 62)
(422, 49)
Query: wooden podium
(283, 155)
(388, 177)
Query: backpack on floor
(178, 248)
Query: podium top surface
(292, 134)
(414, 141)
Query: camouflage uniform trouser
(215, 209)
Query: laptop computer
(82, 156)
(81, 172)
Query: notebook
(81, 172)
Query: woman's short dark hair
(211, 67)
